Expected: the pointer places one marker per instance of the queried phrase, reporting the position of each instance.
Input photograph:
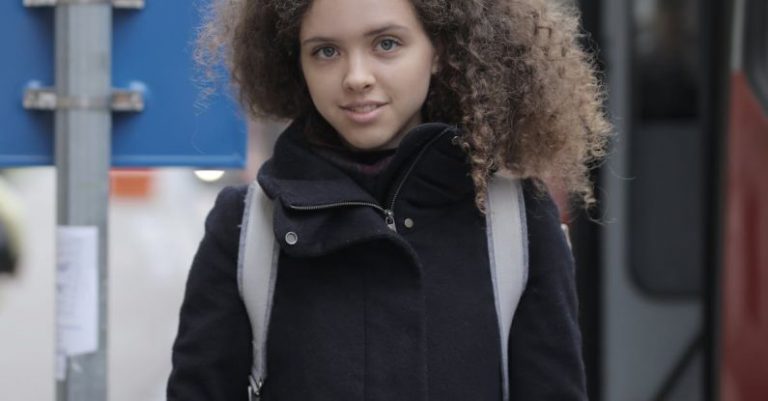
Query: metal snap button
(291, 238)
(408, 223)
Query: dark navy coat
(364, 313)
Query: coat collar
(298, 176)
(311, 194)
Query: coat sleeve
(212, 352)
(545, 356)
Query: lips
(362, 108)
(363, 112)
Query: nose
(359, 77)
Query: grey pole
(83, 147)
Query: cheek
(313, 79)
(421, 66)
(318, 86)
(413, 77)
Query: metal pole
(83, 147)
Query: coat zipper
(389, 214)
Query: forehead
(344, 18)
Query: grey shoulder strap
(256, 283)
(508, 255)
(507, 247)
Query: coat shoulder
(539, 205)
(546, 239)
(225, 218)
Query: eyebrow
(373, 32)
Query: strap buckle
(254, 389)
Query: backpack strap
(507, 249)
(508, 256)
(256, 283)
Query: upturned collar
(311, 194)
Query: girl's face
(367, 64)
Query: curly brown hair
(512, 76)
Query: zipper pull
(390, 220)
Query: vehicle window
(667, 57)
(756, 48)
(667, 148)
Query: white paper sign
(77, 293)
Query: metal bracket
(47, 99)
(132, 4)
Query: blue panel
(152, 49)
(26, 40)
(154, 46)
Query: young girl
(400, 112)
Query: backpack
(258, 259)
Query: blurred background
(672, 264)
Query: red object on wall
(745, 268)
(135, 184)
